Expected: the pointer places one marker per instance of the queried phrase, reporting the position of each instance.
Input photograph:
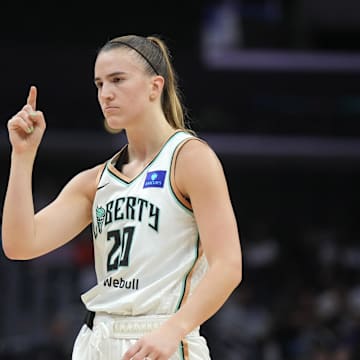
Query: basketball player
(167, 249)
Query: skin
(130, 100)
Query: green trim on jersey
(172, 192)
(116, 177)
(147, 166)
(177, 200)
(187, 275)
(181, 350)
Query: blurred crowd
(300, 299)
(40, 308)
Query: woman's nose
(106, 92)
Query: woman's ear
(157, 85)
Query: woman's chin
(112, 128)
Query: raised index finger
(31, 99)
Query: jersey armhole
(99, 174)
(179, 196)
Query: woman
(167, 248)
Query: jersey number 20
(119, 253)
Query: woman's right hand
(27, 127)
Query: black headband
(138, 51)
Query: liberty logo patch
(100, 216)
(155, 179)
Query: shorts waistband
(127, 326)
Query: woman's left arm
(200, 177)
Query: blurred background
(274, 87)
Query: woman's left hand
(160, 344)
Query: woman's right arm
(27, 235)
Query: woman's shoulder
(91, 173)
(197, 159)
(198, 170)
(195, 149)
(86, 180)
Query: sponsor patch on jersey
(155, 179)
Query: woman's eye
(116, 80)
(98, 85)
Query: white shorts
(111, 336)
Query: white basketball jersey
(147, 251)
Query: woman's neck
(144, 144)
